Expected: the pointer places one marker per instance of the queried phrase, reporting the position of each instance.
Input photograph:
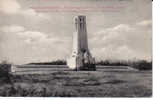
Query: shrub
(112, 63)
(56, 62)
(142, 65)
(5, 69)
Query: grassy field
(100, 83)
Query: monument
(81, 58)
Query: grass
(80, 84)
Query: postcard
(76, 48)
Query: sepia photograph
(76, 48)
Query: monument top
(80, 16)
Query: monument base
(90, 67)
(79, 63)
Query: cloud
(118, 34)
(12, 29)
(33, 14)
(25, 34)
(32, 46)
(32, 36)
(10, 7)
(119, 53)
(122, 27)
(145, 23)
(122, 42)
(35, 37)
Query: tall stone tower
(80, 58)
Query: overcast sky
(30, 36)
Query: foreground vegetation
(79, 84)
(98, 83)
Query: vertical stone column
(81, 58)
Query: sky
(117, 29)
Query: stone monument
(81, 58)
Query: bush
(5, 69)
(57, 62)
(142, 65)
(112, 63)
